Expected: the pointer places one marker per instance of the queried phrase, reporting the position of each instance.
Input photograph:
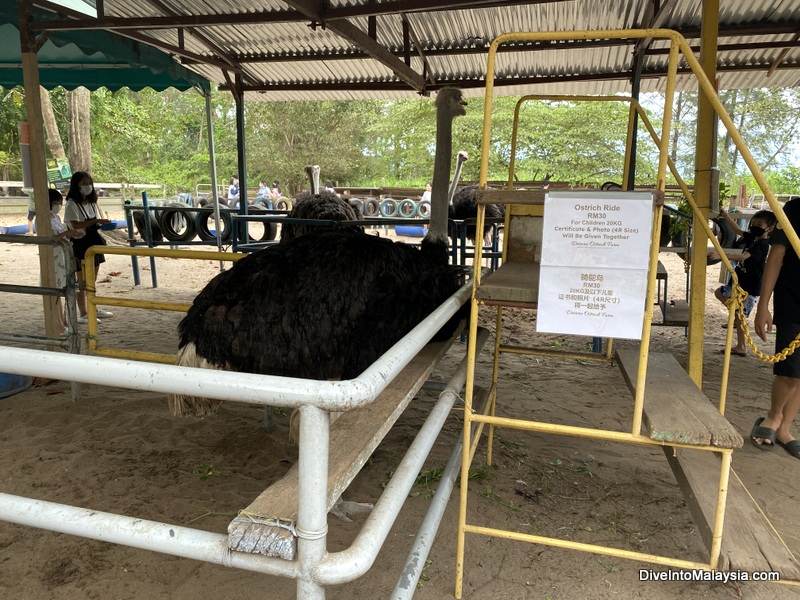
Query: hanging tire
(263, 203)
(372, 208)
(177, 223)
(357, 204)
(267, 235)
(424, 209)
(155, 230)
(388, 207)
(407, 208)
(205, 220)
(283, 204)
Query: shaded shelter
(72, 59)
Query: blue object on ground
(411, 230)
(14, 384)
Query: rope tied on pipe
(272, 521)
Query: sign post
(595, 255)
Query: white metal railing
(314, 568)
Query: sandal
(792, 447)
(767, 434)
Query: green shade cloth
(90, 58)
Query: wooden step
(512, 284)
(677, 314)
(675, 410)
(264, 527)
(749, 542)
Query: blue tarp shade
(93, 59)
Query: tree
(80, 140)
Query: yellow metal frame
(93, 301)
(678, 46)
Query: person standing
(781, 278)
(82, 213)
(750, 270)
(233, 191)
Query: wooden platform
(513, 284)
(675, 410)
(677, 314)
(354, 436)
(749, 542)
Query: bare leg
(741, 345)
(80, 295)
(790, 386)
(784, 404)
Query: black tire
(372, 208)
(357, 204)
(424, 209)
(205, 219)
(264, 203)
(138, 220)
(270, 228)
(178, 223)
(283, 204)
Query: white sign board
(595, 255)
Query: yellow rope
(738, 297)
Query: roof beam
(654, 17)
(275, 16)
(480, 82)
(343, 28)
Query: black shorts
(783, 337)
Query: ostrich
(324, 305)
(465, 206)
(322, 205)
(460, 160)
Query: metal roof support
(636, 86)
(704, 160)
(342, 27)
(33, 104)
(238, 96)
(213, 164)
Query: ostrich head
(449, 105)
(313, 178)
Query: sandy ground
(121, 451)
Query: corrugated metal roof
(282, 53)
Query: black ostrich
(316, 204)
(465, 206)
(327, 304)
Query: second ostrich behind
(316, 204)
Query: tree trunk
(676, 123)
(80, 142)
(51, 129)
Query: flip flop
(733, 352)
(792, 447)
(765, 433)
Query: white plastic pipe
(415, 562)
(238, 387)
(354, 562)
(137, 533)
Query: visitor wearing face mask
(83, 214)
(751, 258)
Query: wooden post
(704, 161)
(33, 104)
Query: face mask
(757, 231)
(56, 209)
(86, 190)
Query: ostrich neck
(441, 177)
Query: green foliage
(162, 138)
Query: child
(60, 231)
(781, 276)
(750, 270)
